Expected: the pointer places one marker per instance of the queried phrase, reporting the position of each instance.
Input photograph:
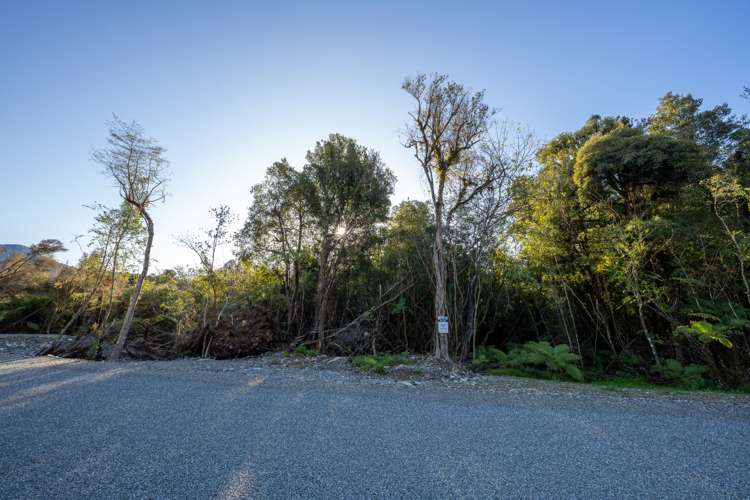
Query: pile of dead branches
(245, 331)
(145, 341)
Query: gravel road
(238, 429)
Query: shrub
(532, 358)
(24, 312)
(304, 352)
(688, 377)
(717, 324)
(556, 359)
(487, 358)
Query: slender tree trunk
(441, 288)
(740, 259)
(321, 294)
(639, 303)
(82, 307)
(97, 284)
(127, 322)
(470, 310)
(113, 276)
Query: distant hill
(8, 250)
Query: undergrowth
(534, 359)
(302, 352)
(380, 362)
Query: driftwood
(82, 346)
(146, 341)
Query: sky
(230, 87)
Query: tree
(405, 254)
(479, 228)
(727, 192)
(717, 131)
(631, 170)
(13, 265)
(447, 125)
(128, 238)
(278, 230)
(112, 228)
(140, 171)
(347, 190)
(205, 250)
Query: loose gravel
(281, 427)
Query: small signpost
(442, 322)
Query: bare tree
(447, 125)
(140, 171)
(205, 250)
(480, 227)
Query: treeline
(627, 240)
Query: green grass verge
(302, 352)
(380, 362)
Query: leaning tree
(139, 169)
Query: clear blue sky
(230, 87)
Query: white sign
(442, 324)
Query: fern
(708, 327)
(557, 360)
(689, 377)
(488, 357)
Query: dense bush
(553, 361)
(627, 246)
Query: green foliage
(303, 351)
(631, 241)
(689, 376)
(488, 357)
(380, 362)
(717, 324)
(23, 312)
(554, 360)
(346, 186)
(628, 168)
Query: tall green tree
(279, 232)
(347, 189)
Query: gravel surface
(259, 428)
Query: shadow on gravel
(58, 379)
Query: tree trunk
(97, 284)
(321, 294)
(470, 309)
(740, 258)
(123, 335)
(441, 287)
(113, 277)
(639, 303)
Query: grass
(612, 383)
(524, 373)
(302, 352)
(619, 383)
(380, 362)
